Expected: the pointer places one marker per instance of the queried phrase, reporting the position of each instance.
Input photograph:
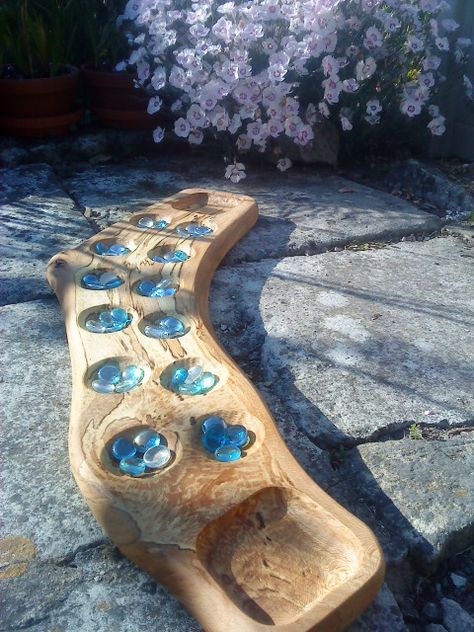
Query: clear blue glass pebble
(193, 388)
(157, 457)
(227, 453)
(125, 386)
(193, 230)
(171, 324)
(110, 280)
(179, 376)
(108, 321)
(101, 248)
(95, 327)
(213, 422)
(122, 449)
(145, 440)
(213, 438)
(161, 224)
(91, 282)
(207, 381)
(109, 373)
(133, 373)
(146, 222)
(119, 315)
(101, 386)
(116, 250)
(168, 327)
(236, 435)
(133, 466)
(146, 287)
(106, 318)
(180, 255)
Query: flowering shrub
(255, 70)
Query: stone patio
(379, 339)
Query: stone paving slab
(359, 343)
(37, 219)
(299, 213)
(73, 578)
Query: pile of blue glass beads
(144, 453)
(150, 222)
(194, 230)
(110, 378)
(192, 381)
(114, 250)
(156, 290)
(101, 281)
(171, 256)
(108, 321)
(223, 441)
(167, 327)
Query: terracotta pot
(39, 107)
(116, 102)
(33, 98)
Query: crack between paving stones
(80, 208)
(69, 558)
(38, 297)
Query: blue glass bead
(117, 250)
(156, 458)
(91, 282)
(236, 435)
(101, 386)
(119, 315)
(145, 222)
(110, 280)
(207, 381)
(227, 453)
(106, 318)
(125, 386)
(190, 389)
(167, 292)
(194, 373)
(122, 449)
(153, 331)
(132, 466)
(133, 374)
(213, 438)
(161, 224)
(95, 327)
(101, 248)
(115, 327)
(180, 255)
(213, 422)
(109, 373)
(158, 259)
(146, 287)
(193, 230)
(145, 440)
(179, 376)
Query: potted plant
(115, 97)
(37, 86)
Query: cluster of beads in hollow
(223, 441)
(146, 452)
(101, 281)
(110, 378)
(192, 381)
(114, 250)
(156, 290)
(171, 256)
(193, 230)
(108, 321)
(165, 328)
(151, 222)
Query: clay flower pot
(116, 102)
(39, 107)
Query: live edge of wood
(248, 546)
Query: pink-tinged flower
(304, 134)
(323, 109)
(223, 29)
(442, 43)
(346, 124)
(132, 9)
(274, 127)
(311, 114)
(269, 46)
(373, 106)
(154, 104)
(195, 137)
(353, 23)
(291, 126)
(158, 134)
(158, 79)
(350, 85)
(431, 62)
(352, 50)
(291, 107)
(256, 131)
(329, 65)
(235, 172)
(410, 107)
(196, 116)
(235, 124)
(243, 142)
(415, 44)
(373, 38)
(391, 23)
(182, 128)
(427, 80)
(433, 111)
(365, 68)
(284, 164)
(176, 105)
(227, 7)
(220, 119)
(198, 30)
(437, 126)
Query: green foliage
(415, 432)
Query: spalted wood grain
(252, 545)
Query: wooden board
(253, 545)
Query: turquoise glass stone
(125, 386)
(171, 324)
(189, 389)
(227, 453)
(95, 327)
(236, 435)
(161, 224)
(92, 282)
(179, 376)
(213, 422)
(168, 327)
(146, 287)
(157, 457)
(109, 373)
(133, 466)
(207, 381)
(145, 440)
(110, 280)
(122, 449)
(193, 230)
(106, 319)
(117, 250)
(133, 373)
(101, 386)
(101, 248)
(153, 331)
(180, 255)
(213, 438)
(119, 315)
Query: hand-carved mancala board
(227, 521)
